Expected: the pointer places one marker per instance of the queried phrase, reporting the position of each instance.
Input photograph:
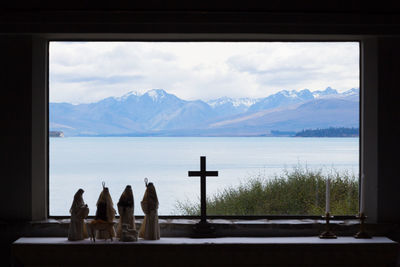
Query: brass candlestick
(362, 233)
(327, 234)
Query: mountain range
(158, 113)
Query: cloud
(99, 80)
(82, 72)
(302, 65)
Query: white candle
(362, 196)
(328, 196)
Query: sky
(85, 72)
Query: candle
(328, 196)
(362, 196)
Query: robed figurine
(150, 228)
(105, 212)
(125, 209)
(79, 211)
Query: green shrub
(297, 192)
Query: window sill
(229, 228)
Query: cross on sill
(203, 228)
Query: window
(130, 110)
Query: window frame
(40, 175)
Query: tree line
(329, 132)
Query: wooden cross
(203, 174)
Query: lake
(85, 162)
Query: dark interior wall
(389, 129)
(206, 16)
(16, 105)
(21, 21)
(205, 5)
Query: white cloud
(87, 72)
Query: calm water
(84, 162)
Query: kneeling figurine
(128, 235)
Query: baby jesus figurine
(125, 209)
(150, 229)
(79, 211)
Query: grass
(296, 192)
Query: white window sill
(206, 241)
(229, 228)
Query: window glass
(276, 119)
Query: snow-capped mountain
(327, 92)
(157, 112)
(282, 98)
(157, 95)
(351, 92)
(127, 95)
(236, 102)
(226, 106)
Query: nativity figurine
(79, 212)
(125, 209)
(102, 228)
(128, 235)
(150, 229)
(105, 214)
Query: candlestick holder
(327, 234)
(204, 229)
(362, 234)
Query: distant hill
(329, 132)
(56, 134)
(319, 113)
(158, 113)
